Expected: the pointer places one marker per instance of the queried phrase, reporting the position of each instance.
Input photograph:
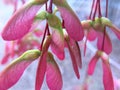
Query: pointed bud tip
(30, 54)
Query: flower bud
(86, 24)
(106, 21)
(41, 16)
(30, 55)
(39, 2)
(54, 21)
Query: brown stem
(106, 14)
(96, 4)
(93, 3)
(46, 28)
(99, 8)
(50, 6)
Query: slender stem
(44, 31)
(46, 6)
(103, 38)
(46, 28)
(50, 11)
(99, 8)
(95, 10)
(63, 26)
(50, 6)
(48, 32)
(93, 3)
(106, 14)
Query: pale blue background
(82, 9)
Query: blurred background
(70, 82)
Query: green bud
(103, 55)
(98, 20)
(99, 53)
(37, 2)
(97, 24)
(54, 21)
(106, 21)
(86, 24)
(41, 16)
(30, 55)
(50, 59)
(62, 3)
